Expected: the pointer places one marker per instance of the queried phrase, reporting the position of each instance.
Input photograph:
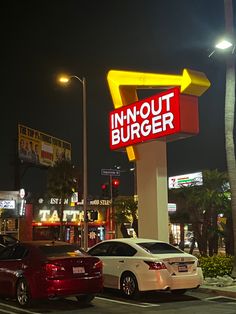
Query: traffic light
(105, 190)
(115, 188)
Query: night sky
(40, 39)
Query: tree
(126, 210)
(214, 200)
(229, 119)
(61, 183)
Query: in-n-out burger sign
(164, 114)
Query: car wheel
(129, 286)
(22, 293)
(85, 298)
(179, 291)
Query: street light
(223, 44)
(65, 80)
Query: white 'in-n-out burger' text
(146, 119)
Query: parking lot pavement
(218, 289)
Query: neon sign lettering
(47, 215)
(150, 118)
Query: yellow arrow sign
(123, 85)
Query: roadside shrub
(217, 265)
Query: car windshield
(159, 247)
(7, 239)
(61, 250)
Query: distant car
(188, 243)
(134, 265)
(48, 269)
(6, 239)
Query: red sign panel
(168, 114)
(144, 120)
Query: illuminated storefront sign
(97, 202)
(158, 116)
(7, 204)
(185, 180)
(72, 215)
(123, 86)
(12, 204)
(22, 205)
(50, 214)
(172, 207)
(74, 200)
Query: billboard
(185, 180)
(162, 115)
(40, 148)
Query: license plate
(78, 270)
(182, 268)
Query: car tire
(129, 286)
(85, 298)
(178, 292)
(22, 293)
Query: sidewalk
(223, 286)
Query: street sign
(110, 172)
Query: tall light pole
(65, 80)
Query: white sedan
(134, 265)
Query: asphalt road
(150, 303)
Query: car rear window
(159, 247)
(61, 250)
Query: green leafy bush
(217, 265)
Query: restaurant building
(12, 210)
(46, 221)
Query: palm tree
(229, 119)
(126, 210)
(61, 183)
(214, 200)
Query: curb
(229, 291)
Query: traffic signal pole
(113, 184)
(111, 194)
(111, 209)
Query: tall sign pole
(134, 122)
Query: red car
(48, 269)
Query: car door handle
(122, 261)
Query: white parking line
(219, 297)
(4, 311)
(16, 308)
(129, 303)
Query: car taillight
(53, 270)
(98, 265)
(155, 265)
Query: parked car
(134, 265)
(6, 239)
(48, 269)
